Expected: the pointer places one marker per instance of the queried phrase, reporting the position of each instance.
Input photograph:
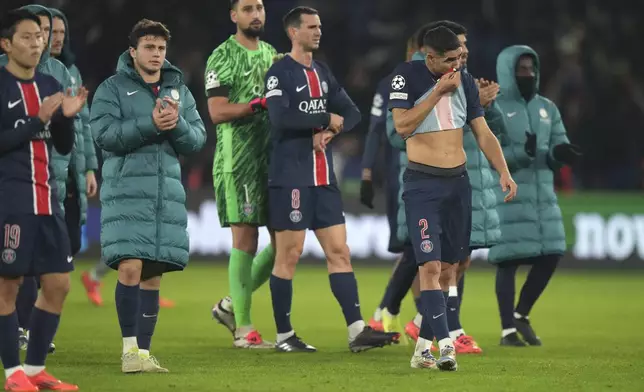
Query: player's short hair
(233, 3)
(441, 40)
(10, 20)
(148, 27)
(293, 18)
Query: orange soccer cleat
(19, 382)
(46, 382)
(466, 345)
(92, 289)
(412, 330)
(376, 325)
(166, 303)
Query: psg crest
(8, 256)
(426, 246)
(295, 216)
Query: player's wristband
(258, 104)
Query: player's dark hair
(456, 28)
(9, 22)
(233, 3)
(293, 18)
(441, 40)
(148, 27)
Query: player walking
(235, 90)
(430, 105)
(307, 108)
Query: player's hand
(73, 104)
(530, 146)
(488, 92)
(165, 119)
(92, 185)
(449, 82)
(366, 193)
(258, 105)
(49, 106)
(322, 139)
(336, 123)
(508, 185)
(567, 153)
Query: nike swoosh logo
(13, 104)
(145, 315)
(510, 115)
(132, 92)
(300, 88)
(70, 259)
(435, 317)
(248, 73)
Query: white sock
(418, 319)
(33, 370)
(130, 344)
(355, 329)
(9, 372)
(455, 334)
(227, 304)
(283, 336)
(144, 353)
(518, 316)
(241, 332)
(422, 344)
(508, 331)
(444, 343)
(93, 276)
(453, 291)
(377, 315)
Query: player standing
(143, 118)
(307, 108)
(36, 116)
(430, 106)
(235, 89)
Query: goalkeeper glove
(258, 104)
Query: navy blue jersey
(412, 82)
(27, 183)
(299, 101)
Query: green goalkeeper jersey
(238, 73)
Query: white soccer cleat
(252, 340)
(423, 361)
(447, 360)
(131, 362)
(223, 316)
(149, 364)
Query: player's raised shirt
(236, 72)
(412, 82)
(299, 101)
(27, 183)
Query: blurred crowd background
(588, 49)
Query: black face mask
(527, 86)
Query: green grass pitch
(590, 322)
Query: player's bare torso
(438, 149)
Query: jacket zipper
(536, 175)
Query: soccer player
(430, 104)
(36, 116)
(235, 89)
(48, 65)
(307, 108)
(533, 232)
(142, 119)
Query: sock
(9, 351)
(536, 282)
(377, 315)
(508, 331)
(148, 317)
(26, 300)
(401, 281)
(505, 276)
(418, 319)
(31, 370)
(444, 343)
(128, 302)
(386, 300)
(241, 285)
(419, 305)
(8, 372)
(345, 290)
(422, 345)
(282, 296)
(518, 315)
(43, 329)
(355, 329)
(453, 320)
(130, 344)
(262, 267)
(434, 313)
(99, 271)
(461, 289)
(144, 353)
(283, 336)
(456, 333)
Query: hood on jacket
(418, 56)
(67, 55)
(506, 64)
(39, 9)
(170, 75)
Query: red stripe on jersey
(39, 154)
(320, 163)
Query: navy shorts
(439, 214)
(34, 245)
(313, 207)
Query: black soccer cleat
(370, 338)
(525, 329)
(294, 345)
(512, 340)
